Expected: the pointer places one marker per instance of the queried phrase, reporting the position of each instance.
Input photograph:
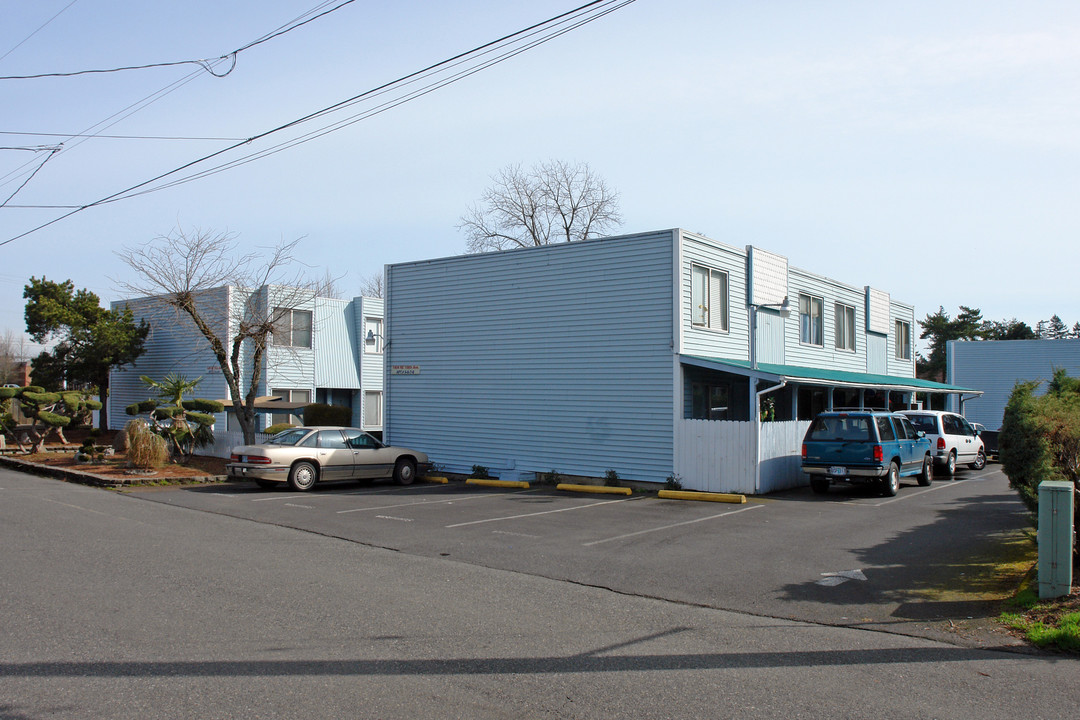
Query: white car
(953, 439)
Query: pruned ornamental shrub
(185, 424)
(279, 427)
(49, 413)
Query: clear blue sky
(929, 149)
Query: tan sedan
(302, 456)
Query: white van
(953, 439)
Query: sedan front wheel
(404, 472)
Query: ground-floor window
(373, 408)
(811, 401)
(710, 402)
(289, 395)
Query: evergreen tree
(92, 340)
(1056, 328)
(1006, 330)
(939, 328)
(1075, 331)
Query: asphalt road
(918, 564)
(112, 606)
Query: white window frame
(807, 335)
(374, 326)
(709, 289)
(902, 339)
(377, 396)
(286, 329)
(845, 327)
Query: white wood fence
(224, 441)
(721, 455)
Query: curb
(598, 489)
(706, 496)
(434, 479)
(498, 483)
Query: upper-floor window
(292, 328)
(810, 320)
(373, 335)
(845, 327)
(708, 298)
(903, 340)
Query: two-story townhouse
(322, 350)
(635, 354)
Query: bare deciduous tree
(178, 271)
(13, 351)
(553, 202)
(372, 286)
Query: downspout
(757, 428)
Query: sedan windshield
(289, 437)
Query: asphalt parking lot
(917, 563)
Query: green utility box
(1055, 538)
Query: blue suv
(865, 446)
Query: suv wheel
(820, 485)
(980, 461)
(890, 485)
(927, 475)
(950, 464)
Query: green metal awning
(821, 376)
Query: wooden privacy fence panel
(715, 455)
(781, 455)
(720, 455)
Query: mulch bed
(114, 471)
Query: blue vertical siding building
(654, 355)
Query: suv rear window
(841, 427)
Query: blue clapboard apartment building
(322, 350)
(995, 366)
(655, 355)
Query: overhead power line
(39, 29)
(117, 137)
(502, 49)
(205, 64)
(153, 97)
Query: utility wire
(40, 28)
(116, 137)
(150, 99)
(206, 64)
(31, 177)
(371, 112)
(579, 14)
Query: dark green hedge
(320, 414)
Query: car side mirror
(920, 434)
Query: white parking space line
(543, 512)
(306, 507)
(668, 527)
(514, 534)
(425, 502)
